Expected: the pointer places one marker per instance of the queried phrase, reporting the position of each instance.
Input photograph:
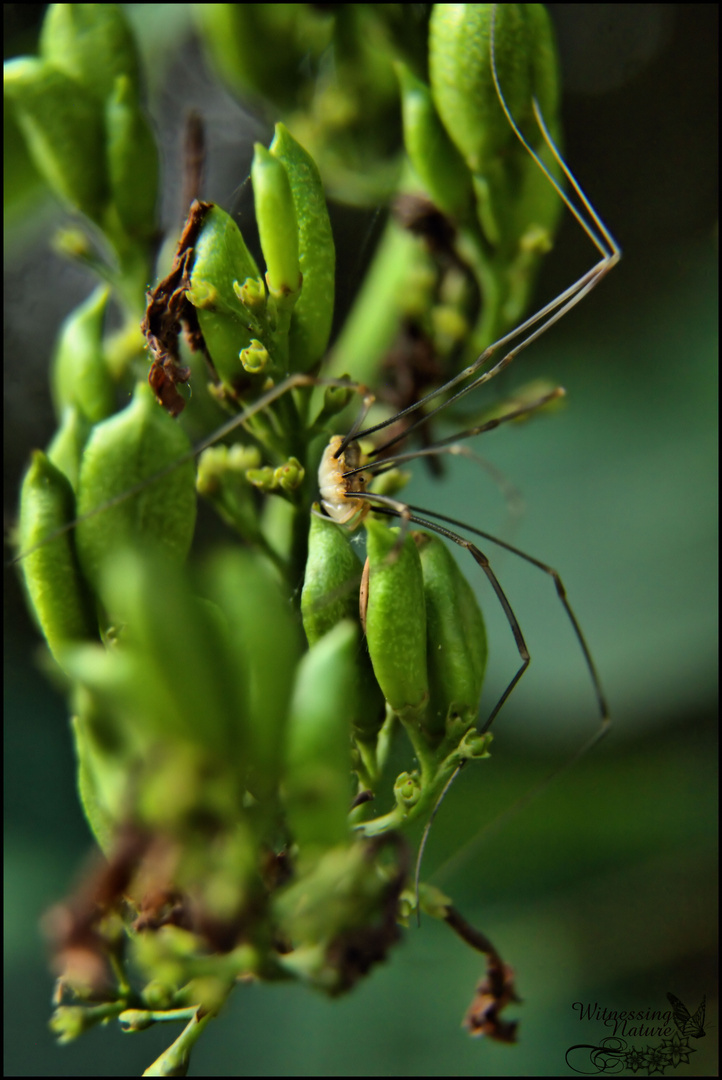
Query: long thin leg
(598, 233)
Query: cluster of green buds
(233, 715)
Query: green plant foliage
(234, 712)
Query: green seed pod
(331, 594)
(93, 43)
(79, 375)
(313, 311)
(265, 644)
(457, 648)
(331, 581)
(318, 748)
(222, 258)
(515, 201)
(461, 76)
(132, 161)
(63, 129)
(122, 453)
(396, 619)
(57, 593)
(435, 159)
(276, 218)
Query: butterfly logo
(685, 1021)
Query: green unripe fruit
(457, 647)
(318, 747)
(331, 594)
(276, 218)
(313, 311)
(80, 375)
(435, 158)
(57, 593)
(461, 74)
(396, 619)
(121, 455)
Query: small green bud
(252, 294)
(57, 593)
(254, 357)
(318, 749)
(456, 637)
(122, 453)
(264, 478)
(290, 475)
(313, 312)
(79, 374)
(135, 1020)
(396, 619)
(335, 400)
(276, 220)
(407, 789)
(435, 159)
(222, 478)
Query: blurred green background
(603, 889)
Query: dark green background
(603, 889)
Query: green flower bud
(57, 593)
(335, 400)
(63, 129)
(407, 789)
(132, 161)
(435, 159)
(93, 43)
(264, 478)
(318, 758)
(223, 480)
(457, 648)
(276, 218)
(122, 453)
(221, 259)
(79, 375)
(396, 619)
(289, 476)
(313, 311)
(254, 357)
(252, 294)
